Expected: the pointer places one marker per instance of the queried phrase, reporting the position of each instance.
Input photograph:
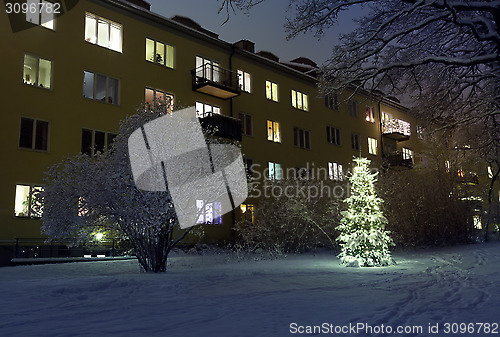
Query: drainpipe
(233, 213)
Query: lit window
(447, 166)
(369, 114)
(333, 135)
(246, 124)
(301, 138)
(100, 87)
(103, 32)
(275, 171)
(355, 141)
(372, 146)
(420, 132)
(247, 212)
(245, 81)
(40, 12)
(207, 69)
(332, 101)
(490, 172)
(25, 202)
(37, 71)
(159, 52)
(95, 141)
(204, 110)
(353, 108)
(272, 91)
(158, 98)
(273, 131)
(209, 213)
(386, 117)
(335, 171)
(407, 154)
(299, 100)
(34, 134)
(477, 221)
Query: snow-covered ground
(209, 295)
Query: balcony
(467, 178)
(216, 81)
(221, 126)
(397, 160)
(396, 129)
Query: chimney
(246, 45)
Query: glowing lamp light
(397, 126)
(98, 236)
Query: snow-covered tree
(363, 239)
(86, 195)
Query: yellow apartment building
(70, 77)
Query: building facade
(69, 78)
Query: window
(299, 100)
(34, 134)
(25, 203)
(490, 172)
(209, 213)
(301, 138)
(275, 171)
(272, 91)
(335, 171)
(37, 71)
(158, 98)
(246, 124)
(207, 69)
(103, 32)
(203, 110)
(248, 166)
(386, 117)
(420, 132)
(353, 108)
(407, 154)
(369, 114)
(332, 101)
(245, 81)
(247, 212)
(372, 146)
(303, 173)
(355, 141)
(41, 13)
(333, 135)
(100, 87)
(159, 52)
(273, 131)
(95, 141)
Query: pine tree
(363, 238)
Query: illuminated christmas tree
(363, 238)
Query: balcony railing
(398, 160)
(216, 81)
(396, 129)
(221, 126)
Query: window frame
(244, 118)
(370, 115)
(408, 154)
(38, 58)
(39, 13)
(304, 100)
(107, 144)
(277, 171)
(353, 108)
(214, 109)
(302, 138)
(94, 89)
(109, 23)
(155, 102)
(204, 213)
(335, 171)
(30, 213)
(372, 146)
(34, 134)
(270, 84)
(249, 208)
(336, 132)
(275, 134)
(332, 101)
(165, 53)
(242, 81)
(355, 141)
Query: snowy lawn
(210, 295)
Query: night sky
(263, 26)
